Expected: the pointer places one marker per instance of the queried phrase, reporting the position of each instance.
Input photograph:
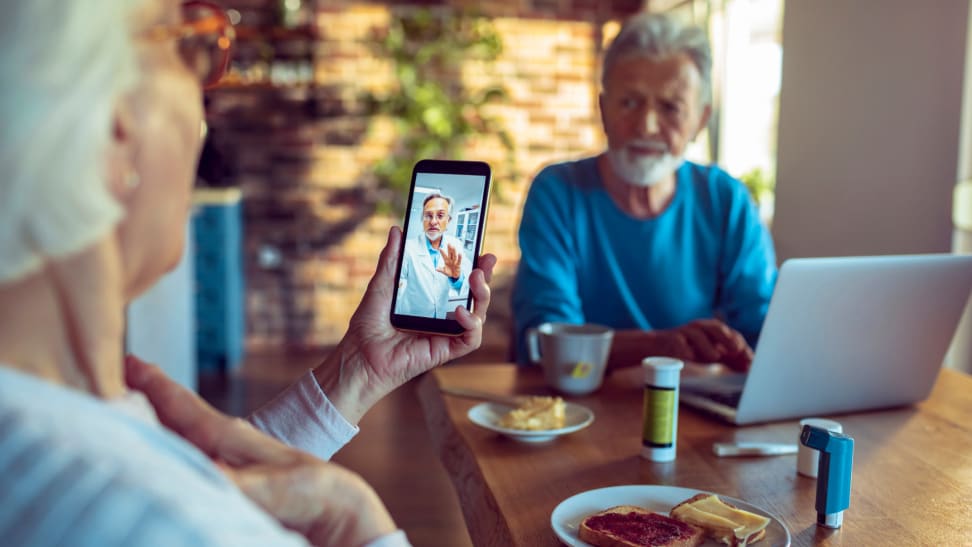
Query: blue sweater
(584, 260)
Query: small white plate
(488, 415)
(566, 517)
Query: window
(747, 54)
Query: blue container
(220, 301)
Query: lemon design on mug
(581, 370)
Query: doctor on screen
(433, 263)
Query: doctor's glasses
(440, 216)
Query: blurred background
(849, 121)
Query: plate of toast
(534, 420)
(663, 516)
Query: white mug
(573, 357)
(808, 459)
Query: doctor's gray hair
(660, 35)
(436, 195)
(64, 65)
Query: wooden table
(912, 482)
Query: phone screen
(443, 232)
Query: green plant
(435, 115)
(760, 184)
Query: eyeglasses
(429, 217)
(204, 39)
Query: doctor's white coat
(423, 291)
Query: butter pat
(536, 414)
(723, 522)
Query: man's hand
(327, 503)
(374, 358)
(451, 260)
(707, 341)
(701, 341)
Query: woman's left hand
(374, 358)
(325, 502)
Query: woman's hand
(374, 358)
(325, 502)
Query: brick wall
(302, 153)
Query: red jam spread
(641, 528)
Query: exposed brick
(303, 156)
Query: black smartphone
(443, 232)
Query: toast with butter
(631, 526)
(721, 521)
(536, 414)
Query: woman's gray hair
(659, 35)
(64, 65)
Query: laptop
(844, 335)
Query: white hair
(437, 195)
(658, 35)
(64, 65)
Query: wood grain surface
(912, 481)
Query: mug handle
(533, 345)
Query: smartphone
(443, 232)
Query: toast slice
(631, 526)
(721, 521)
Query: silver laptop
(844, 335)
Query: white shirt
(423, 291)
(77, 470)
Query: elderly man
(670, 253)
(433, 264)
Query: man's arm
(465, 268)
(546, 279)
(747, 269)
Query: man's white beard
(643, 170)
(433, 236)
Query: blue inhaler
(834, 474)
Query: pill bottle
(660, 413)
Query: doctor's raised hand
(451, 263)
(374, 358)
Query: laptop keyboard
(725, 390)
(728, 399)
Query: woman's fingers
(232, 440)
(177, 408)
(387, 262)
(481, 293)
(486, 263)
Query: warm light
(608, 32)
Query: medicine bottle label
(659, 417)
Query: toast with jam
(631, 526)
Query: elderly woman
(100, 122)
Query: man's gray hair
(659, 35)
(436, 195)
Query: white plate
(488, 415)
(566, 517)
